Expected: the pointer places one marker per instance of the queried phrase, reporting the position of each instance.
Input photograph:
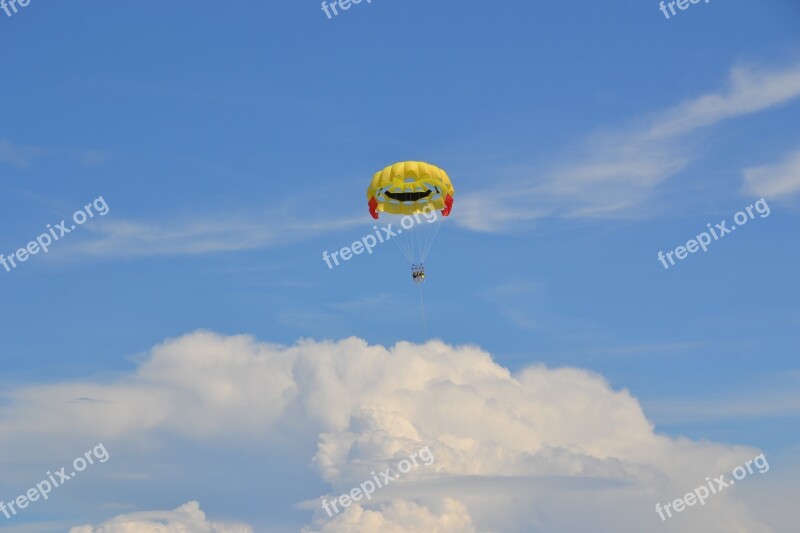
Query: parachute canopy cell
(410, 187)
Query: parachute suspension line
(403, 245)
(412, 242)
(421, 237)
(433, 385)
(409, 237)
(422, 307)
(415, 242)
(429, 242)
(402, 250)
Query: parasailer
(404, 192)
(418, 273)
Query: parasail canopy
(410, 187)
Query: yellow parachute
(405, 192)
(410, 187)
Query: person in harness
(418, 273)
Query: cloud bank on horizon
(513, 452)
(185, 519)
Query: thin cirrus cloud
(564, 434)
(775, 397)
(617, 172)
(21, 156)
(779, 180)
(130, 238)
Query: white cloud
(400, 517)
(513, 452)
(187, 518)
(617, 172)
(750, 90)
(776, 396)
(773, 181)
(21, 156)
(129, 238)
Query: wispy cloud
(777, 180)
(201, 235)
(654, 349)
(775, 397)
(617, 171)
(750, 90)
(21, 156)
(18, 155)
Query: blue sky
(233, 145)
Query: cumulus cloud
(513, 451)
(400, 517)
(187, 518)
